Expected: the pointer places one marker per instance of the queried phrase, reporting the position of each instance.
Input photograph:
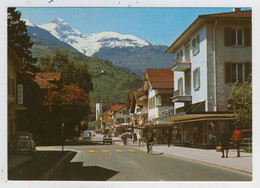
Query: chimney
(236, 9)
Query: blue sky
(156, 25)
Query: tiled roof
(160, 78)
(106, 112)
(43, 84)
(162, 85)
(50, 76)
(238, 14)
(117, 107)
(137, 95)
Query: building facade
(210, 56)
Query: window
(187, 52)
(120, 120)
(152, 102)
(179, 55)
(180, 86)
(237, 37)
(196, 45)
(196, 78)
(125, 112)
(237, 72)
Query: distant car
(86, 135)
(107, 139)
(23, 142)
(93, 133)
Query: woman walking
(224, 141)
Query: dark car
(23, 142)
(107, 139)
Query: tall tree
(240, 102)
(18, 38)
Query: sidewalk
(206, 156)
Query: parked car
(86, 135)
(92, 133)
(107, 139)
(23, 142)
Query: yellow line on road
(104, 150)
(144, 150)
(91, 151)
(78, 151)
(118, 150)
(131, 150)
(46, 146)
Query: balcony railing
(179, 65)
(167, 112)
(182, 93)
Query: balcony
(142, 111)
(179, 65)
(182, 96)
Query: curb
(205, 162)
(53, 170)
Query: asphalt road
(123, 163)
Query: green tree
(240, 102)
(72, 72)
(18, 38)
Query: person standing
(237, 139)
(149, 139)
(224, 141)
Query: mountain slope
(112, 86)
(137, 59)
(90, 43)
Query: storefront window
(177, 134)
(187, 134)
(212, 133)
(197, 133)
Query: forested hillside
(111, 86)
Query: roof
(50, 76)
(117, 107)
(106, 112)
(238, 15)
(43, 84)
(159, 78)
(137, 95)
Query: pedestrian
(124, 137)
(169, 138)
(134, 138)
(149, 139)
(224, 141)
(237, 139)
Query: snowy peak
(91, 43)
(28, 22)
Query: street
(124, 163)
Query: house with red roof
(156, 98)
(119, 113)
(212, 54)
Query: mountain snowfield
(89, 44)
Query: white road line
(133, 163)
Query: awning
(186, 117)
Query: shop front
(199, 130)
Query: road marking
(131, 150)
(118, 150)
(104, 150)
(46, 146)
(91, 151)
(133, 163)
(78, 151)
(144, 150)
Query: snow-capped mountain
(89, 44)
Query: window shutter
(247, 35)
(227, 37)
(227, 73)
(198, 78)
(248, 69)
(198, 43)
(194, 85)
